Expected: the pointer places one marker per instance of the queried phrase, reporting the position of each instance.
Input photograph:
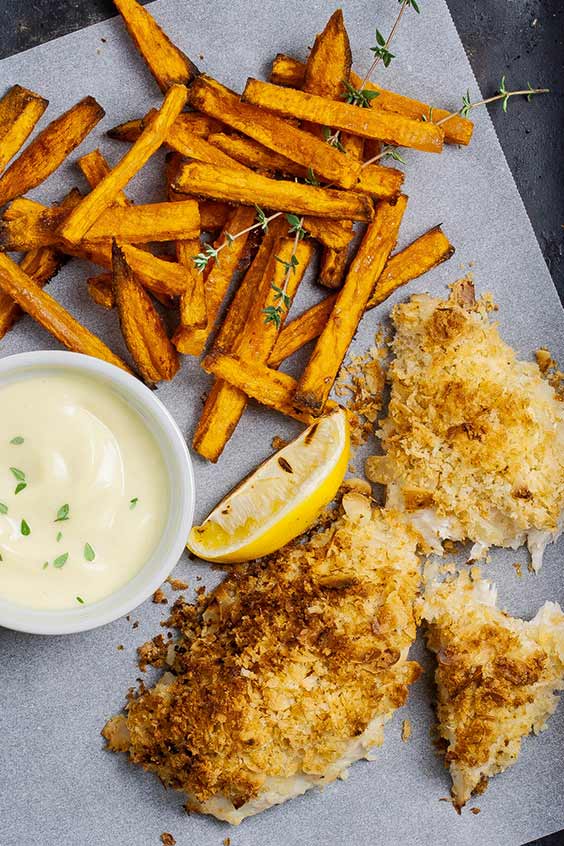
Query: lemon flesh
(280, 499)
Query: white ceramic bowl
(181, 496)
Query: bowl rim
(180, 472)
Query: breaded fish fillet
(286, 673)
(474, 438)
(497, 678)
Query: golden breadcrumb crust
(496, 677)
(472, 434)
(283, 664)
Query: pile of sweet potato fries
(257, 185)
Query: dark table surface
(523, 39)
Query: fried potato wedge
(95, 168)
(422, 255)
(332, 267)
(192, 122)
(457, 130)
(103, 195)
(193, 310)
(51, 315)
(20, 109)
(330, 60)
(132, 224)
(220, 183)
(378, 181)
(101, 290)
(141, 325)
(368, 123)
(49, 149)
(323, 366)
(217, 278)
(269, 387)
(255, 341)
(167, 63)
(223, 406)
(208, 96)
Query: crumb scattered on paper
(278, 442)
(177, 584)
(159, 597)
(119, 647)
(475, 810)
(362, 382)
(406, 730)
(167, 839)
(517, 567)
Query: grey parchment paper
(58, 785)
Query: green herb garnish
(62, 513)
(24, 528)
(133, 502)
(17, 440)
(45, 565)
(19, 475)
(21, 486)
(80, 599)
(59, 536)
(89, 553)
(61, 560)
(3, 508)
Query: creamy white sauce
(85, 448)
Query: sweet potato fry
(330, 60)
(250, 188)
(51, 315)
(27, 225)
(49, 149)
(212, 215)
(95, 168)
(195, 147)
(20, 109)
(422, 255)
(167, 63)
(192, 122)
(101, 291)
(368, 123)
(208, 96)
(458, 130)
(141, 325)
(332, 267)
(40, 265)
(141, 224)
(225, 405)
(193, 310)
(323, 366)
(89, 210)
(331, 233)
(218, 275)
(132, 224)
(380, 182)
(269, 387)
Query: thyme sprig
(282, 302)
(382, 51)
(502, 94)
(208, 253)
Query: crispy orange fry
(48, 149)
(220, 183)
(20, 109)
(255, 342)
(193, 311)
(51, 315)
(422, 255)
(40, 265)
(332, 267)
(457, 130)
(269, 387)
(218, 277)
(195, 147)
(95, 168)
(167, 63)
(141, 325)
(101, 291)
(192, 122)
(381, 182)
(212, 215)
(368, 123)
(132, 224)
(210, 97)
(89, 210)
(330, 60)
(323, 366)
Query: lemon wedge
(280, 499)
